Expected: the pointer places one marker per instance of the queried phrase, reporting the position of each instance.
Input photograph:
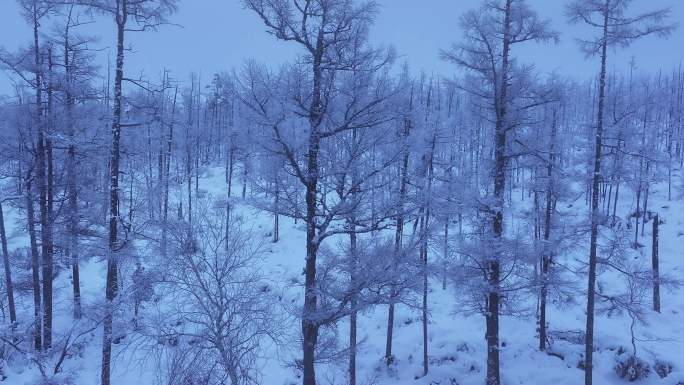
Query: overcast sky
(220, 35)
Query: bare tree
(490, 34)
(617, 29)
(327, 31)
(226, 307)
(128, 15)
(77, 73)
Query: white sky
(220, 35)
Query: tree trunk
(46, 262)
(188, 171)
(424, 248)
(276, 216)
(72, 194)
(646, 191)
(35, 265)
(493, 268)
(547, 256)
(353, 303)
(615, 201)
(113, 244)
(354, 262)
(167, 170)
(47, 220)
(446, 252)
(310, 324)
(244, 176)
(41, 177)
(424, 310)
(591, 290)
(656, 267)
(8, 271)
(230, 166)
(637, 214)
(398, 239)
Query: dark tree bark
(230, 167)
(35, 264)
(245, 171)
(309, 324)
(595, 213)
(45, 237)
(46, 232)
(547, 257)
(8, 270)
(276, 205)
(353, 266)
(72, 191)
(167, 169)
(188, 159)
(398, 237)
(656, 265)
(111, 288)
(424, 225)
(353, 269)
(493, 274)
(48, 220)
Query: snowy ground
(457, 346)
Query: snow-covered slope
(456, 340)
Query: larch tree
(491, 32)
(616, 29)
(328, 31)
(74, 85)
(399, 217)
(29, 65)
(34, 12)
(128, 16)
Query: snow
(456, 340)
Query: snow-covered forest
(341, 218)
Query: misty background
(210, 36)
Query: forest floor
(456, 340)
